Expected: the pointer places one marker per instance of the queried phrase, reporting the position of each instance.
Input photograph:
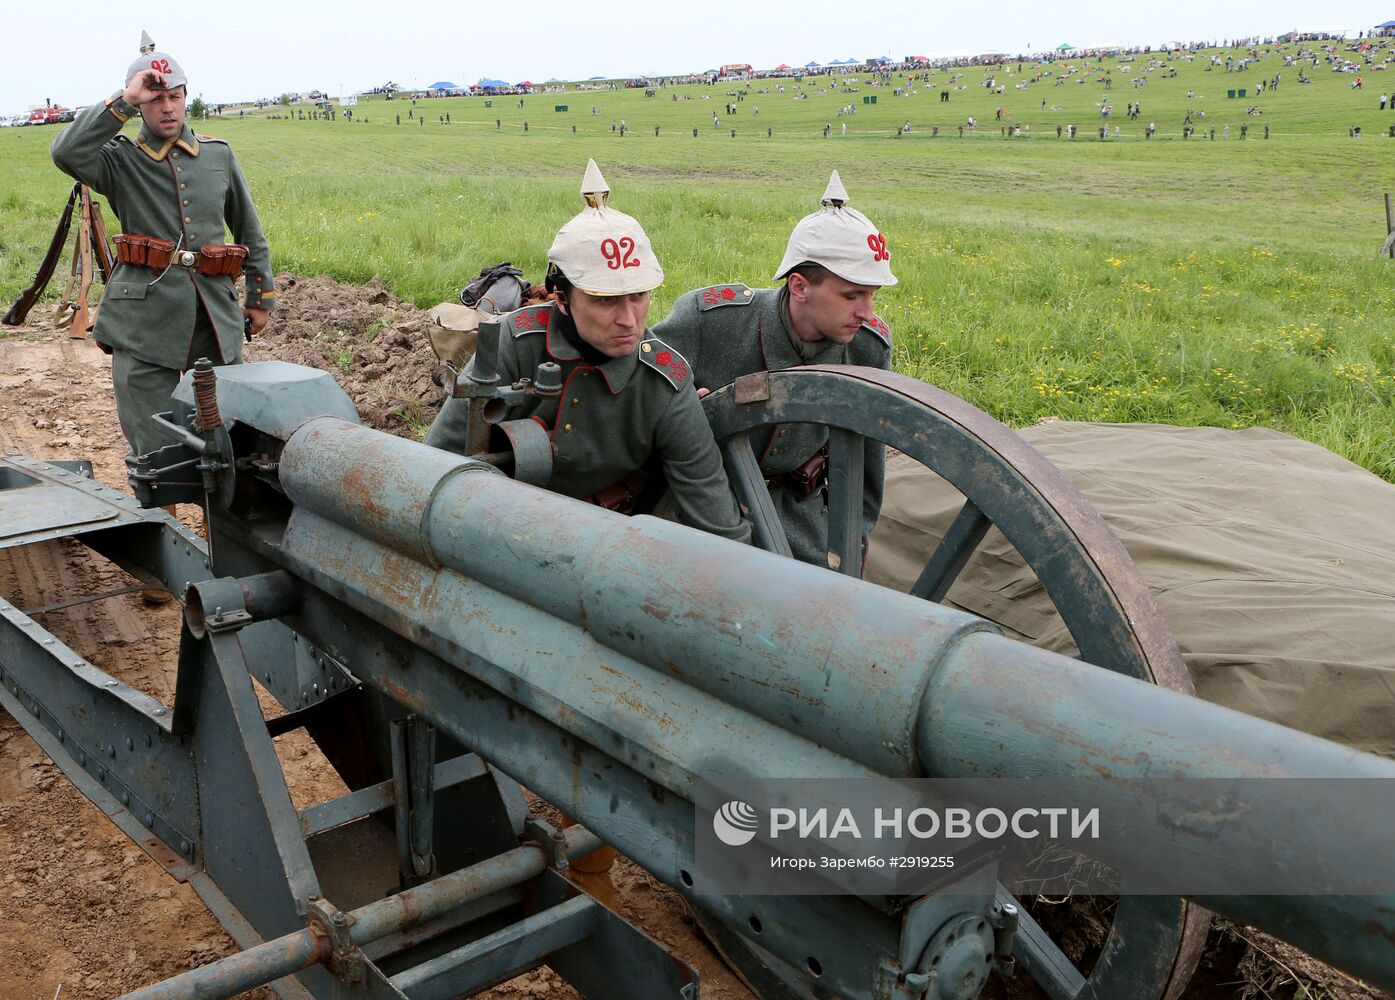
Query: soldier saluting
(822, 315)
(172, 300)
(628, 408)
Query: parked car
(39, 116)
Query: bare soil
(81, 906)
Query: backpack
(499, 289)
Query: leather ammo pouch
(222, 258)
(621, 496)
(144, 251)
(808, 478)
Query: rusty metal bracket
(752, 388)
(345, 960)
(552, 841)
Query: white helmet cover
(151, 59)
(602, 251)
(841, 239)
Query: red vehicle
(55, 114)
(39, 116)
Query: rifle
(90, 243)
(17, 312)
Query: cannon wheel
(1154, 942)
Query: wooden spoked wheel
(1155, 942)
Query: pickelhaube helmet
(602, 251)
(841, 239)
(150, 58)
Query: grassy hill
(1221, 282)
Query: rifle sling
(17, 312)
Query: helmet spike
(835, 195)
(147, 44)
(594, 190)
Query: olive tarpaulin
(1273, 560)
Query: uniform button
(186, 202)
(182, 185)
(780, 434)
(646, 347)
(576, 400)
(176, 154)
(584, 374)
(186, 218)
(747, 292)
(567, 428)
(179, 169)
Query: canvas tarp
(1273, 560)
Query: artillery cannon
(447, 634)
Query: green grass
(1223, 283)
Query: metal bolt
(339, 919)
(918, 982)
(125, 798)
(185, 848)
(147, 739)
(111, 751)
(149, 819)
(82, 758)
(130, 743)
(101, 775)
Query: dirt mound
(370, 341)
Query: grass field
(1230, 283)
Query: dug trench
(83, 910)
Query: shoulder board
(530, 319)
(666, 361)
(210, 138)
(878, 326)
(724, 295)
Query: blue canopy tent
(443, 85)
(1387, 24)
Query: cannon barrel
(836, 677)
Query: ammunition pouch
(144, 251)
(622, 496)
(806, 480)
(212, 259)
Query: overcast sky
(78, 53)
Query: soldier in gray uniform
(628, 408)
(171, 300)
(835, 262)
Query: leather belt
(211, 259)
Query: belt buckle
(186, 258)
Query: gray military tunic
(611, 419)
(727, 331)
(189, 190)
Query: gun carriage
(450, 635)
